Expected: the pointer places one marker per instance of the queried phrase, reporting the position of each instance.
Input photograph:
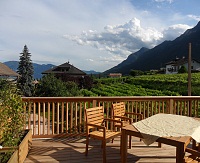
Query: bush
(50, 86)
(11, 117)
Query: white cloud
(120, 39)
(170, 1)
(194, 17)
(126, 38)
(174, 31)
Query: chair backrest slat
(118, 109)
(95, 115)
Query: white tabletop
(166, 125)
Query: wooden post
(171, 106)
(189, 79)
(189, 70)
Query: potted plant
(14, 140)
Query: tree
(182, 70)
(25, 69)
(136, 72)
(50, 86)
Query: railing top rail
(110, 98)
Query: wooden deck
(71, 150)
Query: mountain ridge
(156, 57)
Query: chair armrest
(123, 118)
(138, 114)
(193, 152)
(113, 120)
(97, 126)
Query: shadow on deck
(72, 150)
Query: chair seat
(192, 159)
(124, 123)
(109, 134)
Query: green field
(146, 85)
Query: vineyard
(146, 85)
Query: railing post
(190, 108)
(94, 103)
(171, 101)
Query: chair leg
(87, 142)
(120, 144)
(130, 144)
(104, 150)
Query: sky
(90, 34)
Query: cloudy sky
(90, 34)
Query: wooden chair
(119, 113)
(95, 128)
(194, 156)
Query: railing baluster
(58, 119)
(67, 118)
(44, 119)
(71, 117)
(76, 127)
(62, 115)
(34, 126)
(53, 119)
(48, 128)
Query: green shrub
(12, 117)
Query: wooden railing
(64, 116)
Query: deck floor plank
(72, 150)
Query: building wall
(194, 66)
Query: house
(67, 72)
(6, 72)
(115, 75)
(172, 67)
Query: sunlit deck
(72, 150)
(47, 112)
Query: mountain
(39, 68)
(91, 72)
(155, 58)
(131, 58)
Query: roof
(115, 74)
(181, 61)
(65, 68)
(6, 71)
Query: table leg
(124, 146)
(180, 153)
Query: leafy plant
(50, 86)
(12, 117)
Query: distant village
(67, 71)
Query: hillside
(145, 85)
(156, 57)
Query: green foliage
(11, 117)
(72, 89)
(136, 72)
(50, 86)
(146, 85)
(86, 82)
(25, 69)
(182, 70)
